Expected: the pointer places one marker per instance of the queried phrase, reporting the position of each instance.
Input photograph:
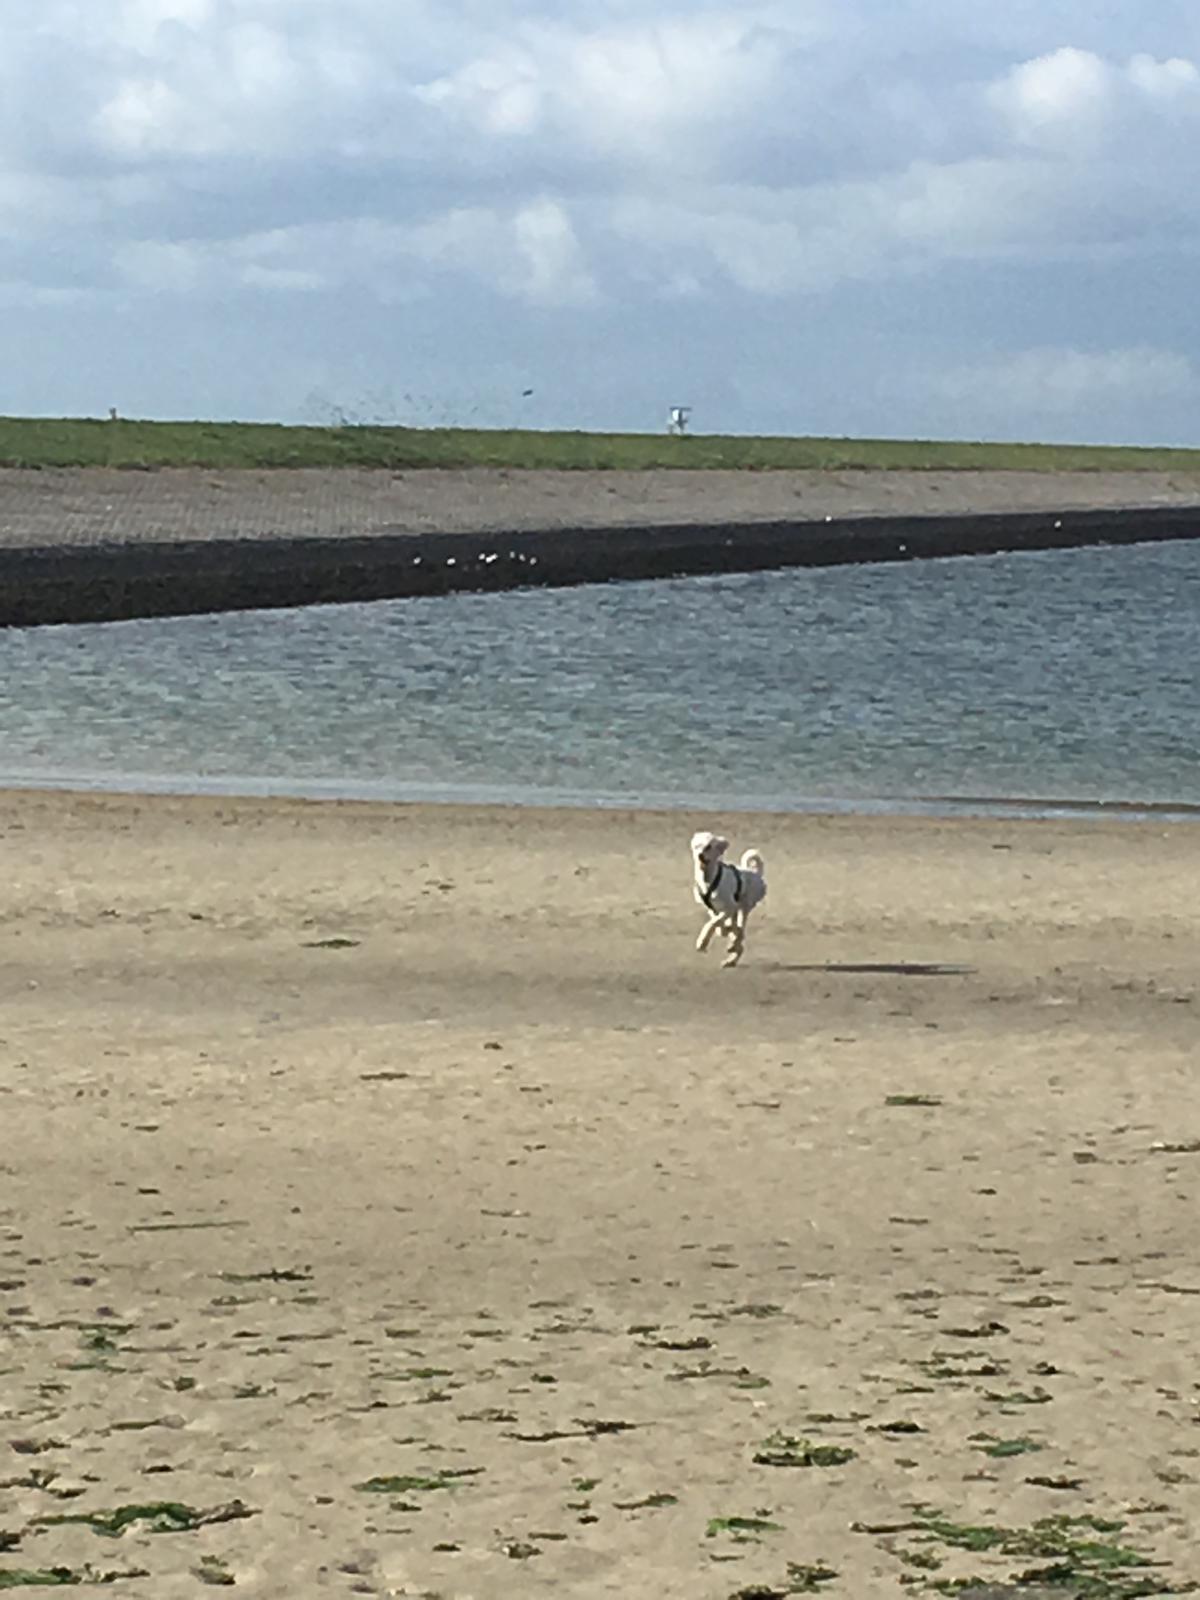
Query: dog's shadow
(891, 969)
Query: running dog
(729, 894)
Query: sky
(881, 218)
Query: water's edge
(335, 791)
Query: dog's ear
(719, 845)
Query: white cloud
(643, 160)
(1166, 80)
(250, 89)
(501, 95)
(1062, 382)
(547, 243)
(141, 116)
(1066, 94)
(1038, 194)
(808, 241)
(659, 88)
(530, 253)
(1073, 100)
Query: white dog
(729, 894)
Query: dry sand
(345, 1143)
(88, 505)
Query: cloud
(1062, 380)
(1038, 190)
(251, 88)
(531, 253)
(639, 163)
(810, 240)
(733, 144)
(1074, 101)
(1056, 391)
(1164, 80)
(666, 90)
(163, 267)
(555, 270)
(1068, 92)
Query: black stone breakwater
(120, 580)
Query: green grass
(41, 1578)
(213, 1571)
(83, 442)
(1002, 1449)
(160, 1516)
(63, 1577)
(801, 1579)
(743, 1530)
(784, 1450)
(418, 1483)
(1085, 1554)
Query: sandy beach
(392, 1202)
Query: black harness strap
(711, 890)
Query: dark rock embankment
(114, 580)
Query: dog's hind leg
(737, 941)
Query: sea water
(1058, 678)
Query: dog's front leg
(707, 931)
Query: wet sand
(396, 1189)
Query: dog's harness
(711, 888)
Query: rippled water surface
(1060, 675)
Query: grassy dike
(136, 445)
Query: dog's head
(708, 848)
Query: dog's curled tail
(752, 862)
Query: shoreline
(335, 792)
